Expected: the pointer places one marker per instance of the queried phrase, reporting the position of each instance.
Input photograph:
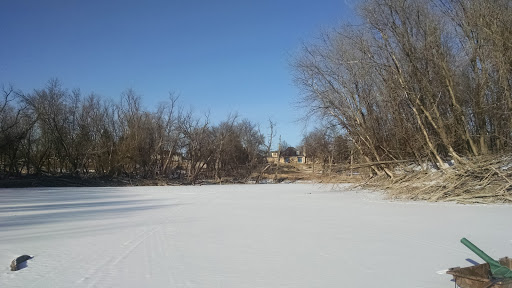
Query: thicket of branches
(53, 130)
(417, 80)
(325, 146)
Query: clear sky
(224, 56)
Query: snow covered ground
(275, 235)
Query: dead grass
(479, 180)
(304, 172)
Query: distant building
(289, 155)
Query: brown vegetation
(52, 131)
(485, 180)
(418, 82)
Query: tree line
(54, 130)
(422, 81)
(416, 80)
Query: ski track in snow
(286, 235)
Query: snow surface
(274, 235)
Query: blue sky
(219, 56)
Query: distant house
(289, 155)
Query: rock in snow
(17, 263)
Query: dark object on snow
(491, 274)
(479, 276)
(16, 264)
(498, 271)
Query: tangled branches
(480, 180)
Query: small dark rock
(16, 264)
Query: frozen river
(274, 235)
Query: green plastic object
(497, 270)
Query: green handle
(479, 252)
(497, 270)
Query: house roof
(291, 151)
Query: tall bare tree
(418, 80)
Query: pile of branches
(478, 180)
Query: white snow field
(273, 235)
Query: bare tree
(418, 80)
(197, 143)
(172, 140)
(15, 124)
